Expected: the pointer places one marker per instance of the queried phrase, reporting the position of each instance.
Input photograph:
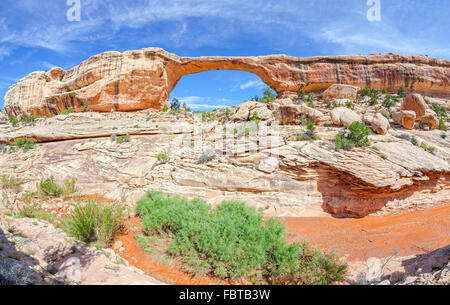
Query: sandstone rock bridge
(142, 79)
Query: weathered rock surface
(392, 175)
(378, 122)
(37, 253)
(142, 79)
(249, 110)
(416, 103)
(343, 116)
(291, 114)
(405, 118)
(430, 119)
(338, 91)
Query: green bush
(350, 105)
(8, 182)
(67, 111)
(309, 135)
(50, 188)
(233, 241)
(442, 125)
(123, 139)
(388, 102)
(94, 222)
(268, 96)
(401, 92)
(441, 111)
(301, 94)
(24, 143)
(163, 158)
(365, 92)
(85, 106)
(14, 121)
(358, 136)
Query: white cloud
(253, 84)
(207, 106)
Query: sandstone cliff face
(143, 79)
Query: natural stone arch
(143, 79)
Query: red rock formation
(141, 79)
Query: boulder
(405, 118)
(378, 122)
(430, 119)
(338, 91)
(252, 109)
(343, 116)
(290, 114)
(416, 103)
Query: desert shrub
(343, 143)
(23, 143)
(175, 103)
(85, 106)
(365, 91)
(268, 96)
(441, 111)
(163, 158)
(301, 94)
(8, 182)
(14, 121)
(388, 102)
(384, 91)
(373, 100)
(442, 125)
(332, 104)
(123, 139)
(350, 105)
(428, 148)
(67, 111)
(165, 109)
(92, 221)
(50, 188)
(309, 135)
(358, 136)
(232, 241)
(401, 92)
(311, 105)
(207, 156)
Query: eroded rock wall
(143, 79)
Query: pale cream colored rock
(343, 116)
(339, 91)
(378, 122)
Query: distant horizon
(39, 36)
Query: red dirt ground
(376, 236)
(355, 239)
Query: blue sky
(36, 35)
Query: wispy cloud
(253, 84)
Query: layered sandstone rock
(142, 79)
